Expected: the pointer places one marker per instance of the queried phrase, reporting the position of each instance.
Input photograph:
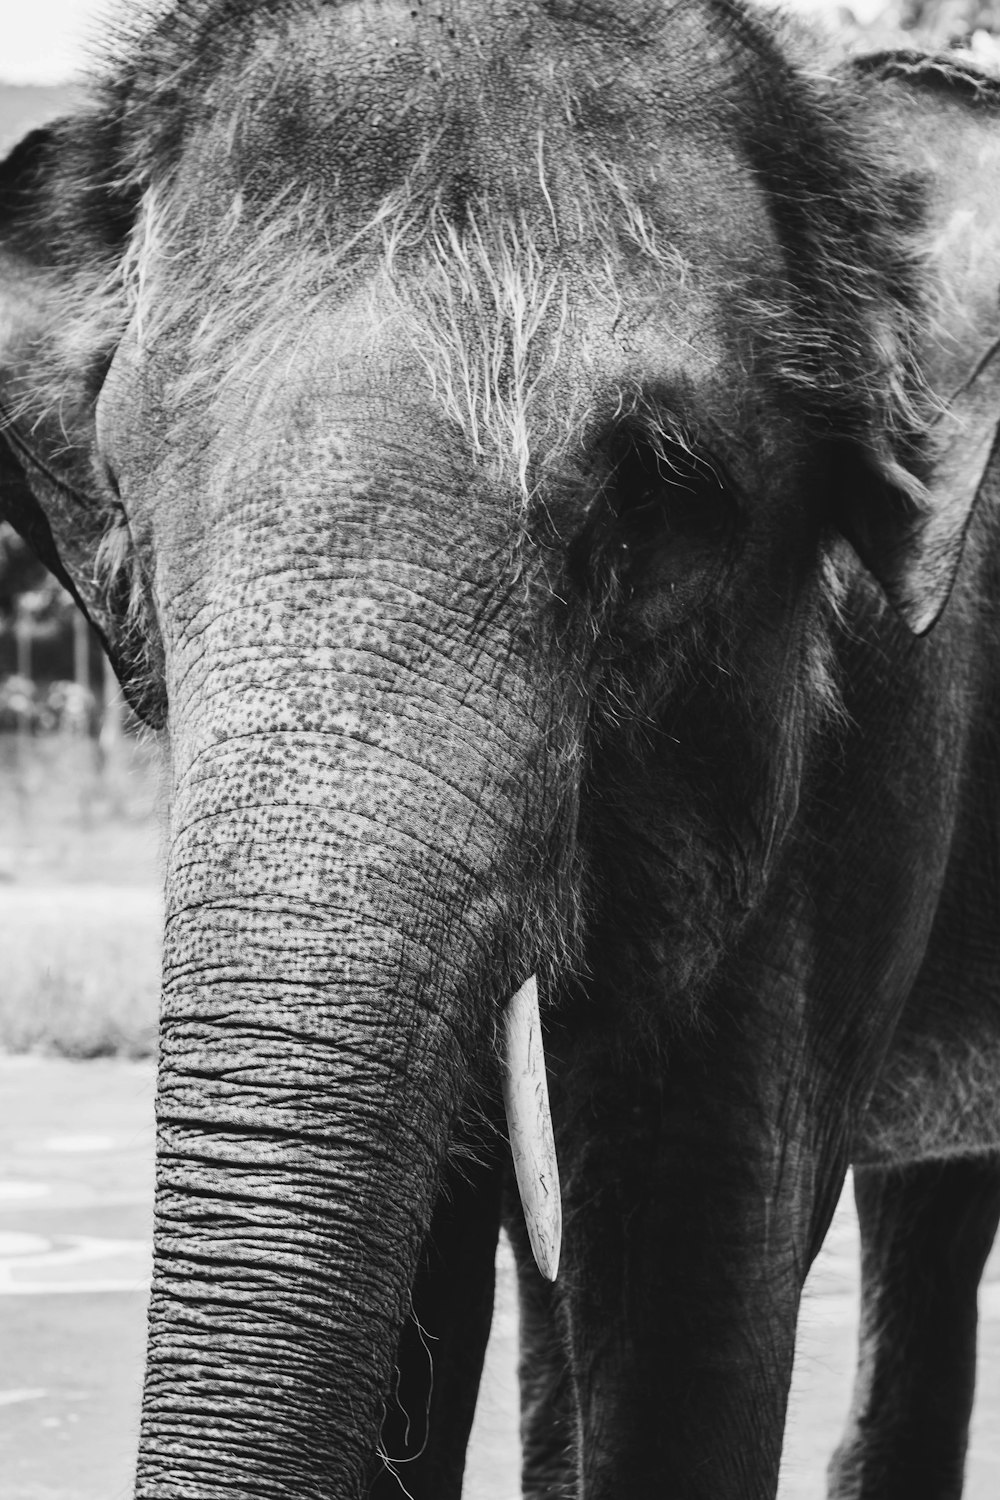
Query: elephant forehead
(527, 203)
(472, 88)
(506, 101)
(508, 218)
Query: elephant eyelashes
(664, 493)
(656, 535)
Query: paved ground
(75, 1217)
(75, 1191)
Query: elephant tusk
(529, 1127)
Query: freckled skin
(487, 399)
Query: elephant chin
(529, 1125)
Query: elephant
(534, 462)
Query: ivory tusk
(529, 1126)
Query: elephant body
(534, 462)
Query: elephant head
(464, 429)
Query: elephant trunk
(353, 885)
(313, 1057)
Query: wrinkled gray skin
(522, 507)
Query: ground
(75, 1215)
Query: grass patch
(80, 916)
(71, 813)
(80, 980)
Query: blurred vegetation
(79, 798)
(80, 981)
(949, 23)
(80, 909)
(45, 640)
(78, 810)
(871, 25)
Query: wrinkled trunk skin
(349, 754)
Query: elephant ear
(63, 228)
(940, 121)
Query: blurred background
(78, 778)
(80, 911)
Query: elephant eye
(665, 495)
(660, 515)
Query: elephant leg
(687, 1238)
(926, 1231)
(431, 1405)
(549, 1466)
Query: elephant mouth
(529, 1127)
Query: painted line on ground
(12, 1191)
(131, 1285)
(14, 1398)
(17, 1246)
(73, 1143)
(34, 1266)
(67, 1195)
